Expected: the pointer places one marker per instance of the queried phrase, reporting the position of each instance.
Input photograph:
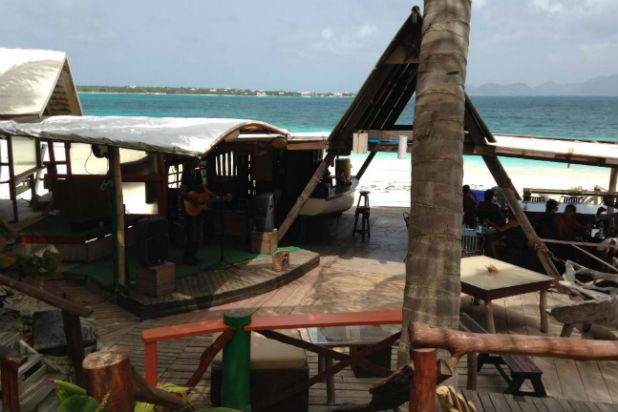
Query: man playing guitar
(197, 198)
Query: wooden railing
(71, 313)
(425, 340)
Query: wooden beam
(117, 218)
(208, 355)
(365, 165)
(459, 343)
(311, 185)
(542, 252)
(307, 145)
(479, 132)
(45, 296)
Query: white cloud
(548, 6)
(367, 30)
(603, 52)
(353, 40)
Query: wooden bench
(521, 367)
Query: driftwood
(110, 375)
(451, 401)
(460, 343)
(596, 311)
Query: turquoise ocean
(593, 118)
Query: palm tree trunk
(432, 290)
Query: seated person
(566, 225)
(489, 212)
(544, 224)
(469, 207)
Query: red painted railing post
(9, 366)
(423, 386)
(150, 362)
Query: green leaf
(79, 403)
(64, 390)
(143, 407)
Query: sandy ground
(388, 178)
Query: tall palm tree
(432, 290)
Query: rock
(48, 332)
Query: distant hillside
(598, 86)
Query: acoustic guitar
(197, 202)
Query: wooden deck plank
(593, 381)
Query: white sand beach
(388, 178)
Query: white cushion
(271, 354)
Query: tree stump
(111, 374)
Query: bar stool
(364, 210)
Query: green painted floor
(101, 272)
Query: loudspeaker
(152, 241)
(264, 209)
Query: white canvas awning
(32, 79)
(570, 150)
(174, 135)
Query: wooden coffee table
(510, 280)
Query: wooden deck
(354, 276)
(222, 285)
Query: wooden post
(489, 313)
(162, 185)
(150, 362)
(67, 158)
(365, 165)
(613, 178)
(9, 366)
(111, 374)
(423, 385)
(75, 343)
(473, 362)
(543, 311)
(313, 182)
(117, 218)
(12, 191)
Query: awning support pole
(313, 182)
(365, 165)
(613, 178)
(117, 218)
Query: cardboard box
(156, 281)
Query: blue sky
(323, 45)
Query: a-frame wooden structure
(34, 84)
(376, 109)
